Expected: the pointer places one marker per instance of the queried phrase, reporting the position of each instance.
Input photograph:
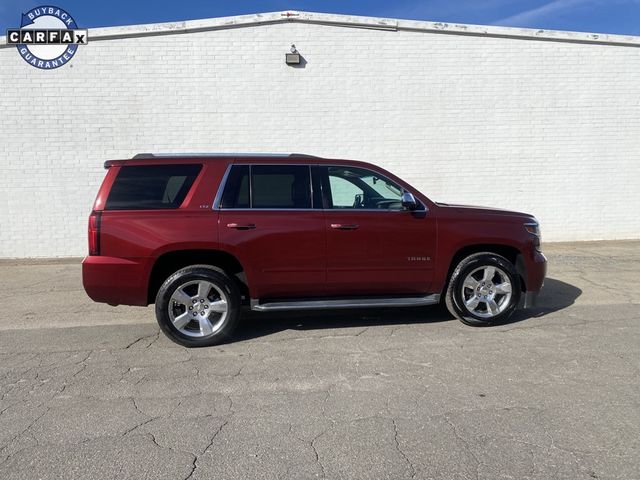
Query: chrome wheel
(487, 291)
(198, 308)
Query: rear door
(373, 245)
(268, 220)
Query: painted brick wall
(547, 127)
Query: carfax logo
(48, 37)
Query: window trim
(182, 204)
(223, 183)
(422, 207)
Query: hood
(473, 209)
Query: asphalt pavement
(89, 391)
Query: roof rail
(218, 154)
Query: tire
(476, 300)
(198, 306)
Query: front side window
(268, 186)
(151, 187)
(359, 188)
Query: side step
(319, 304)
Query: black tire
(190, 335)
(457, 293)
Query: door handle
(237, 226)
(342, 226)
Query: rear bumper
(116, 281)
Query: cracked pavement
(90, 391)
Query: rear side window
(236, 191)
(280, 186)
(151, 187)
(268, 186)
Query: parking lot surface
(90, 391)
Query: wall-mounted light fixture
(292, 58)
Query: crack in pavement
(13, 439)
(197, 457)
(465, 443)
(143, 337)
(406, 459)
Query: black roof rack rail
(218, 154)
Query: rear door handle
(342, 226)
(246, 226)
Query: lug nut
(190, 308)
(194, 314)
(202, 300)
(206, 306)
(195, 301)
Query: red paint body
(299, 253)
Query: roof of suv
(155, 158)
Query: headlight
(534, 229)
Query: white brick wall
(544, 126)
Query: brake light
(94, 233)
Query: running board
(321, 304)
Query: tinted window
(280, 186)
(236, 190)
(151, 187)
(271, 186)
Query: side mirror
(409, 201)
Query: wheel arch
(511, 253)
(170, 262)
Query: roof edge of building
(353, 21)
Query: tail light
(94, 233)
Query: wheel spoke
(471, 283)
(219, 306)
(489, 273)
(181, 321)
(503, 288)
(472, 303)
(492, 306)
(205, 326)
(179, 296)
(203, 289)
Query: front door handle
(238, 226)
(342, 226)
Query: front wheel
(198, 306)
(484, 289)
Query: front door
(374, 247)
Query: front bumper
(536, 268)
(116, 281)
(531, 299)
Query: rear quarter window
(151, 187)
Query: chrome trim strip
(320, 304)
(351, 210)
(223, 183)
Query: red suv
(201, 235)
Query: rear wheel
(484, 289)
(198, 306)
